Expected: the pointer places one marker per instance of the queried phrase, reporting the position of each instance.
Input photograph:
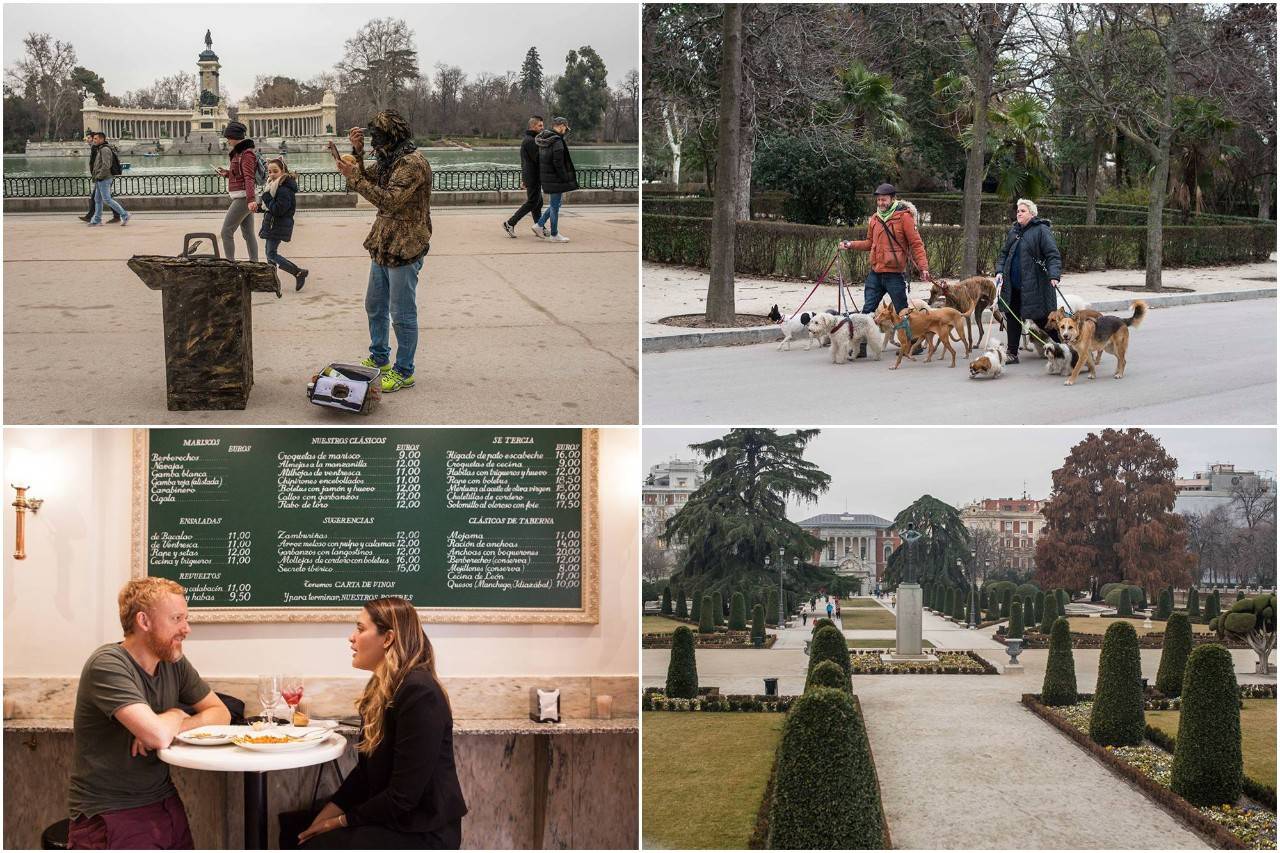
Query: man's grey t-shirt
(104, 776)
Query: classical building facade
(1213, 487)
(1017, 522)
(667, 488)
(208, 115)
(857, 545)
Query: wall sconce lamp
(21, 465)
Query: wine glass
(291, 692)
(269, 696)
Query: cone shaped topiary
(738, 613)
(1208, 760)
(1117, 718)
(682, 608)
(1173, 657)
(825, 793)
(682, 669)
(1015, 621)
(957, 611)
(1126, 606)
(1212, 607)
(828, 673)
(717, 608)
(1050, 615)
(771, 607)
(1165, 605)
(707, 616)
(1006, 602)
(1063, 601)
(757, 624)
(1059, 687)
(1193, 605)
(695, 605)
(828, 644)
(666, 601)
(1038, 614)
(949, 602)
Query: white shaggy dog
(846, 333)
(791, 327)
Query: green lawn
(1090, 625)
(886, 643)
(660, 625)
(863, 618)
(1257, 734)
(860, 602)
(704, 775)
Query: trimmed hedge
(825, 793)
(1117, 718)
(1165, 606)
(771, 607)
(1050, 614)
(738, 613)
(717, 608)
(1037, 608)
(682, 609)
(1063, 601)
(666, 601)
(1006, 602)
(1125, 608)
(1212, 607)
(707, 616)
(1173, 658)
(682, 668)
(1059, 687)
(1207, 762)
(829, 674)
(1193, 605)
(803, 251)
(827, 645)
(820, 623)
(757, 623)
(1015, 621)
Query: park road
(1212, 363)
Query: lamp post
(768, 561)
(782, 596)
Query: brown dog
(970, 297)
(932, 325)
(1057, 315)
(1091, 337)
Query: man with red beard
(126, 709)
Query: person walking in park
(894, 242)
(830, 609)
(240, 174)
(89, 137)
(530, 177)
(557, 175)
(399, 186)
(106, 165)
(1027, 272)
(278, 203)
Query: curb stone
(770, 334)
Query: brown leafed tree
(1110, 517)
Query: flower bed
(1035, 640)
(720, 640)
(863, 662)
(656, 700)
(1150, 768)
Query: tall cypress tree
(531, 74)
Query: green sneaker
(393, 381)
(369, 362)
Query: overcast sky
(881, 471)
(131, 45)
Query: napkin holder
(544, 705)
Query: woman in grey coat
(1027, 271)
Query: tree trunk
(1264, 196)
(1122, 176)
(1094, 179)
(675, 141)
(1159, 184)
(975, 167)
(746, 156)
(720, 307)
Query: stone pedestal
(1012, 669)
(910, 601)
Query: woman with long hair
(278, 204)
(404, 791)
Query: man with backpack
(106, 164)
(894, 242)
(530, 177)
(90, 136)
(245, 172)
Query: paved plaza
(962, 764)
(511, 331)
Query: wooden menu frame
(588, 613)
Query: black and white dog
(1062, 359)
(791, 327)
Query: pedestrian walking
(93, 153)
(830, 609)
(278, 202)
(398, 184)
(894, 242)
(106, 165)
(240, 174)
(530, 177)
(1027, 271)
(555, 168)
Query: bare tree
(1254, 499)
(1211, 536)
(720, 295)
(43, 76)
(380, 62)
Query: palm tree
(1198, 149)
(1022, 126)
(870, 98)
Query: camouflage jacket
(401, 232)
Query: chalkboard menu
(471, 525)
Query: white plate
(307, 738)
(217, 735)
(327, 725)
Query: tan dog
(1090, 338)
(970, 297)
(1058, 315)
(932, 325)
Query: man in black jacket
(529, 178)
(93, 153)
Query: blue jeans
(101, 196)
(880, 283)
(392, 301)
(553, 213)
(274, 257)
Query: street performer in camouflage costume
(399, 185)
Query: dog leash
(816, 284)
(1066, 306)
(1031, 333)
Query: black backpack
(116, 168)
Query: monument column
(910, 605)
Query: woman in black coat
(278, 202)
(1027, 271)
(403, 793)
(555, 168)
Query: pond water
(22, 166)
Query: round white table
(230, 758)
